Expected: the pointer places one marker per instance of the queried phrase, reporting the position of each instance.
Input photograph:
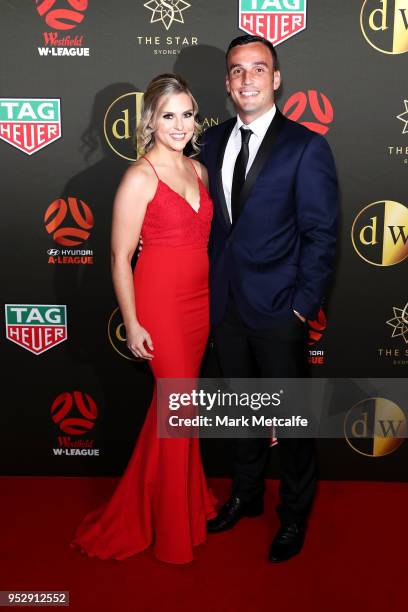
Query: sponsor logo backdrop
(74, 398)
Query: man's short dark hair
(246, 39)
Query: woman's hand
(136, 339)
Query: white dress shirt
(259, 128)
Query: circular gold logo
(375, 427)
(384, 24)
(380, 233)
(117, 335)
(120, 123)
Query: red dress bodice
(171, 221)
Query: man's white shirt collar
(260, 125)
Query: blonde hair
(162, 85)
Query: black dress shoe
(287, 543)
(232, 511)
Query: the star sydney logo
(404, 118)
(400, 322)
(167, 11)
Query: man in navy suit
(272, 245)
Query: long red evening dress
(162, 497)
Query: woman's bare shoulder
(139, 176)
(201, 170)
(139, 172)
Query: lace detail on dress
(171, 221)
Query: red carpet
(354, 557)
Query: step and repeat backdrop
(72, 76)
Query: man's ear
(276, 79)
(227, 84)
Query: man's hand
(302, 318)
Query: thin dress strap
(194, 168)
(153, 168)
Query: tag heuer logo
(36, 328)
(275, 20)
(30, 123)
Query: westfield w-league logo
(59, 17)
(76, 425)
(75, 414)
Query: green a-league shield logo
(275, 20)
(36, 328)
(29, 124)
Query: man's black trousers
(276, 352)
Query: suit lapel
(220, 158)
(262, 155)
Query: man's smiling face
(251, 80)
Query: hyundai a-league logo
(167, 11)
(275, 20)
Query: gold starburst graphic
(400, 322)
(167, 11)
(404, 118)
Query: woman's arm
(132, 197)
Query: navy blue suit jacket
(278, 256)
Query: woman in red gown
(162, 497)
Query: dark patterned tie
(238, 178)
